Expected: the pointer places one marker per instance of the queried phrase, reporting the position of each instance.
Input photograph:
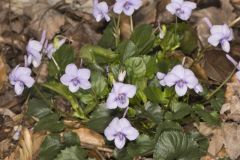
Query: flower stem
(131, 23)
(219, 87)
(56, 64)
(125, 112)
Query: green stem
(223, 83)
(56, 64)
(131, 23)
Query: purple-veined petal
(192, 81)
(225, 46)
(22, 71)
(84, 73)
(116, 87)
(181, 91)
(19, 87)
(109, 133)
(111, 102)
(34, 46)
(171, 79)
(85, 84)
(119, 142)
(186, 13)
(27, 80)
(73, 88)
(128, 11)
(129, 90)
(172, 7)
(118, 6)
(66, 79)
(131, 133)
(178, 70)
(71, 69)
(123, 105)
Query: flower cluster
(21, 76)
(101, 9)
(120, 129)
(182, 78)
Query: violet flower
(220, 34)
(182, 79)
(33, 51)
(119, 130)
(76, 78)
(237, 65)
(100, 11)
(52, 48)
(182, 9)
(19, 77)
(161, 77)
(126, 6)
(120, 94)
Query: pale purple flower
(220, 34)
(121, 76)
(180, 8)
(182, 78)
(33, 51)
(198, 88)
(237, 65)
(100, 11)
(126, 6)
(52, 48)
(76, 78)
(119, 130)
(120, 94)
(20, 77)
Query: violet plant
(133, 91)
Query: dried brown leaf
(3, 72)
(46, 18)
(88, 136)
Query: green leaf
(122, 154)
(71, 139)
(72, 153)
(218, 100)
(166, 126)
(63, 91)
(172, 145)
(142, 146)
(50, 147)
(100, 118)
(151, 65)
(99, 84)
(50, 123)
(206, 115)
(180, 110)
(170, 42)
(143, 38)
(38, 108)
(97, 55)
(63, 56)
(153, 94)
(135, 67)
(155, 111)
(108, 39)
(127, 49)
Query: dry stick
(234, 22)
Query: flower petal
(73, 88)
(66, 79)
(85, 84)
(123, 123)
(160, 75)
(128, 11)
(131, 133)
(128, 89)
(109, 133)
(198, 88)
(116, 87)
(215, 39)
(181, 91)
(111, 102)
(172, 7)
(179, 71)
(186, 13)
(189, 4)
(18, 88)
(27, 80)
(123, 105)
(171, 79)
(71, 69)
(118, 6)
(84, 73)
(225, 46)
(136, 3)
(119, 142)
